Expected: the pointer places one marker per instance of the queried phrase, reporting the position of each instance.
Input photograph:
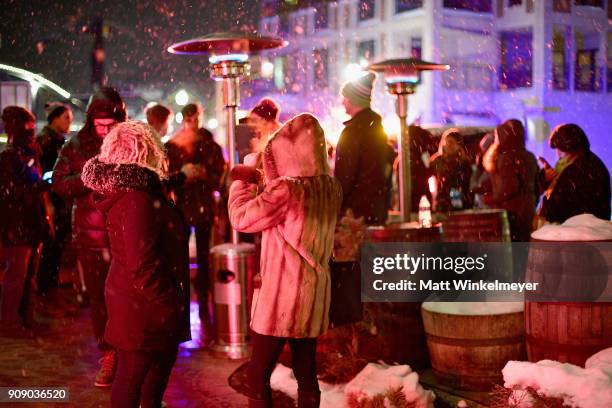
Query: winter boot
(108, 367)
(309, 399)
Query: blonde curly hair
(135, 142)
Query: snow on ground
(374, 379)
(584, 227)
(578, 387)
(602, 360)
(474, 308)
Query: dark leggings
(142, 378)
(266, 350)
(202, 280)
(95, 264)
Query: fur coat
(297, 213)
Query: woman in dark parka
(514, 173)
(148, 281)
(579, 183)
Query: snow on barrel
(572, 262)
(470, 342)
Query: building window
(280, 73)
(587, 75)
(295, 73)
(321, 68)
(513, 3)
(530, 6)
(366, 50)
(591, 3)
(516, 69)
(321, 16)
(416, 48)
(344, 16)
(366, 9)
(299, 25)
(468, 75)
(499, 8)
(560, 68)
(479, 6)
(268, 8)
(609, 60)
(283, 26)
(407, 5)
(562, 6)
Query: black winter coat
(452, 171)
(514, 185)
(88, 224)
(148, 281)
(364, 166)
(50, 143)
(582, 187)
(195, 198)
(21, 215)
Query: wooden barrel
(567, 332)
(403, 232)
(569, 270)
(393, 331)
(476, 226)
(469, 352)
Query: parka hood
(108, 179)
(510, 135)
(298, 149)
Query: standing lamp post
(402, 76)
(233, 264)
(229, 61)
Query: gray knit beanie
(359, 91)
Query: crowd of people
(129, 203)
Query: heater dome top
(226, 43)
(401, 66)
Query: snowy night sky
(52, 38)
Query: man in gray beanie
(364, 159)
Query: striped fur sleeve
(250, 212)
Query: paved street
(67, 356)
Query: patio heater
(229, 62)
(233, 264)
(402, 76)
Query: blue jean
(142, 377)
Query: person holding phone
(579, 182)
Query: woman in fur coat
(148, 281)
(296, 212)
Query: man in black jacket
(105, 110)
(364, 159)
(50, 140)
(197, 167)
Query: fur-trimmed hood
(107, 179)
(297, 149)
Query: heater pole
(403, 145)
(231, 101)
